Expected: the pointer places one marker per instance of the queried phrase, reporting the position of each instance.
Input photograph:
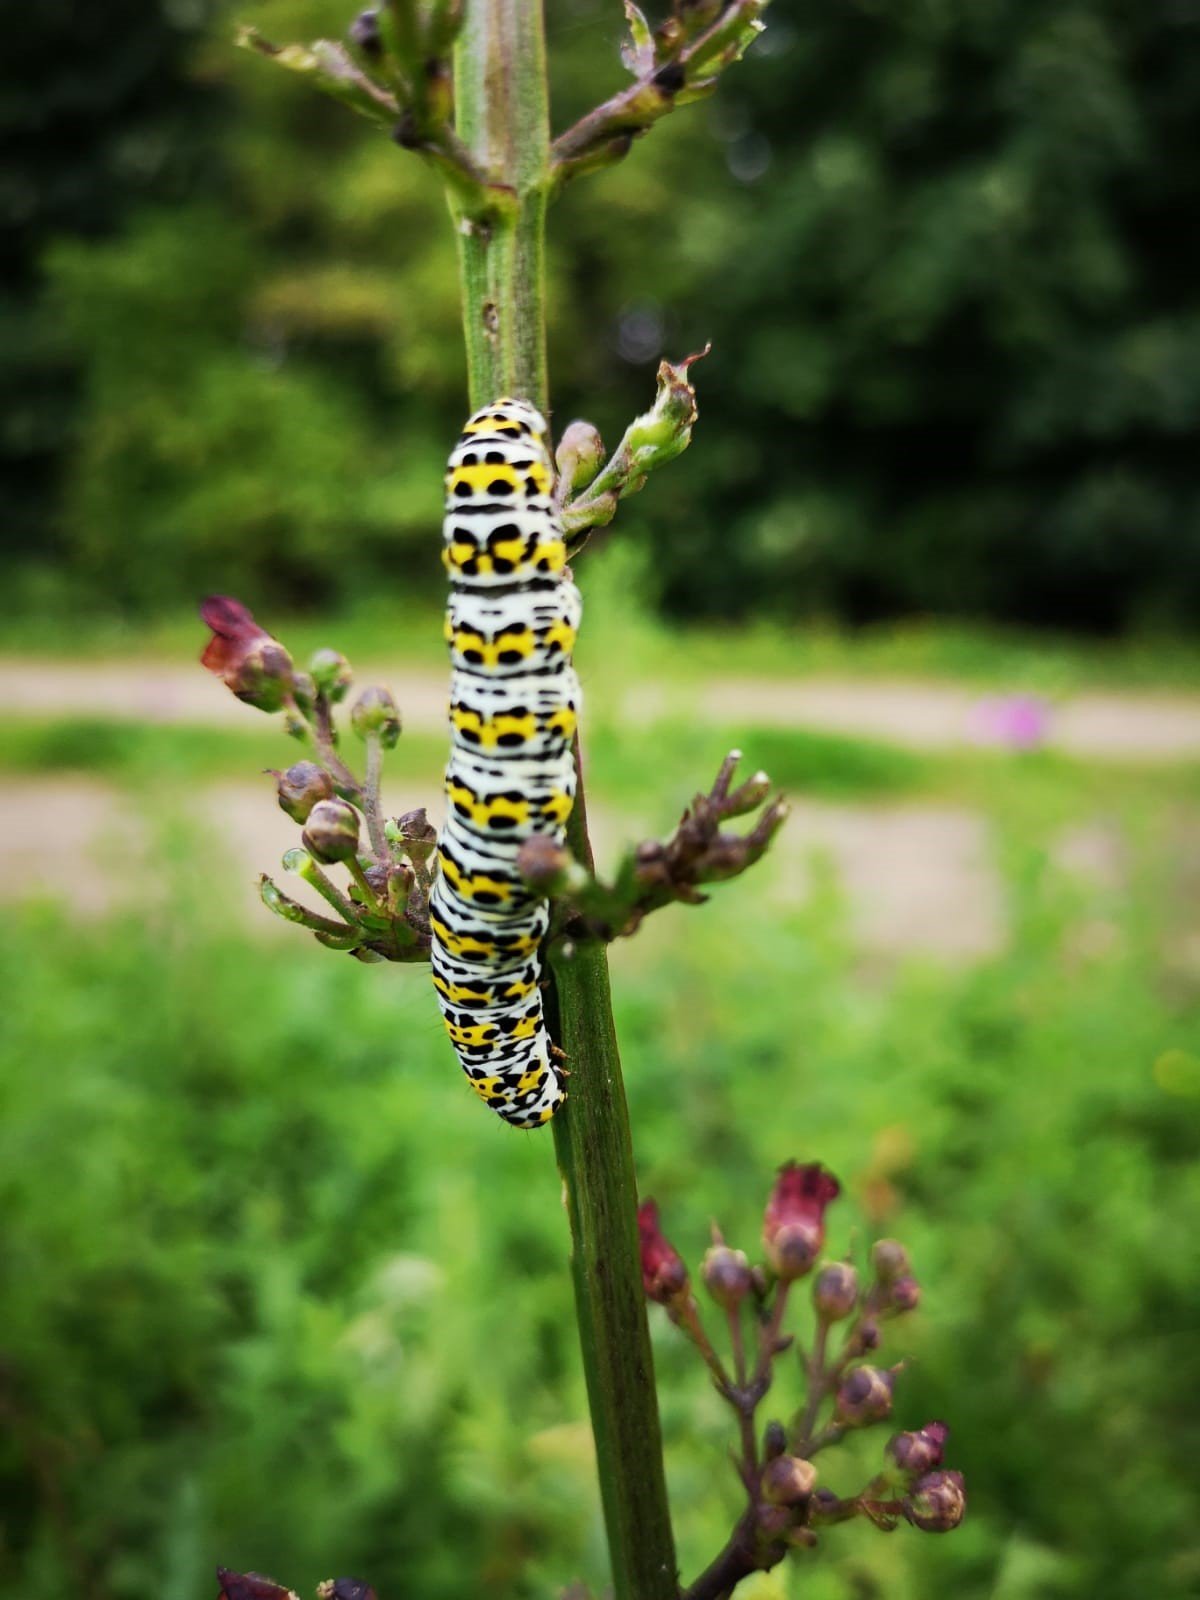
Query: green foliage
(955, 364)
(276, 1292)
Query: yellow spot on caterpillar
(533, 1079)
(481, 812)
(485, 1088)
(557, 808)
(561, 633)
(470, 1034)
(481, 652)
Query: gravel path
(921, 715)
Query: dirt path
(921, 715)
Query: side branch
(681, 62)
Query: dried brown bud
(919, 1452)
(375, 712)
(794, 1223)
(331, 833)
(664, 1275)
(253, 665)
(301, 787)
(788, 1480)
(726, 1275)
(865, 1396)
(835, 1291)
(937, 1503)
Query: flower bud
(365, 36)
(579, 456)
(788, 1480)
(904, 1294)
(865, 1396)
(375, 711)
(664, 1275)
(345, 1589)
(890, 1260)
(544, 864)
(794, 1222)
(919, 1452)
(250, 1586)
(331, 833)
(726, 1275)
(774, 1440)
(835, 1291)
(301, 787)
(250, 663)
(331, 674)
(937, 1503)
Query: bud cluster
(382, 915)
(252, 1586)
(844, 1393)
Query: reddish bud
(664, 1275)
(919, 1452)
(250, 1586)
(865, 1396)
(835, 1291)
(788, 1480)
(937, 1503)
(248, 661)
(794, 1223)
(904, 1294)
(726, 1275)
(301, 787)
(890, 1260)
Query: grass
(276, 1292)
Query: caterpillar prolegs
(510, 624)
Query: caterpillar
(511, 620)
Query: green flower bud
(331, 833)
(331, 673)
(375, 712)
(890, 1260)
(301, 787)
(579, 456)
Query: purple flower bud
(250, 663)
(375, 712)
(865, 1396)
(835, 1291)
(774, 1440)
(301, 787)
(918, 1452)
(726, 1275)
(905, 1294)
(345, 1589)
(794, 1223)
(664, 1274)
(890, 1260)
(331, 833)
(788, 1480)
(937, 1502)
(364, 34)
(331, 674)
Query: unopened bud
(579, 456)
(747, 796)
(301, 787)
(774, 1440)
(919, 1452)
(365, 36)
(345, 1589)
(331, 833)
(937, 1502)
(794, 1222)
(865, 1396)
(331, 674)
(788, 1480)
(726, 1275)
(904, 1294)
(664, 1273)
(793, 1249)
(544, 863)
(375, 711)
(890, 1260)
(244, 656)
(835, 1291)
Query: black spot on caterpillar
(511, 621)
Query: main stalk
(503, 116)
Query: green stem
(502, 103)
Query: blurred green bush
(941, 250)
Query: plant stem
(501, 96)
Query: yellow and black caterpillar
(511, 622)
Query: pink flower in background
(1013, 722)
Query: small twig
(740, 1557)
(818, 1387)
(371, 801)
